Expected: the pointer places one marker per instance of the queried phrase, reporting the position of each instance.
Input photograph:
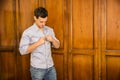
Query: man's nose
(43, 24)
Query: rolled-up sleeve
(53, 35)
(24, 43)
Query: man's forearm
(56, 43)
(32, 47)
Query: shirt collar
(37, 28)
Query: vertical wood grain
(110, 39)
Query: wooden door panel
(113, 25)
(7, 24)
(7, 40)
(83, 67)
(82, 24)
(83, 49)
(110, 21)
(112, 68)
(7, 65)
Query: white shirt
(41, 56)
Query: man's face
(40, 21)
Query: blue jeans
(43, 74)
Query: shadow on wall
(2, 3)
(118, 2)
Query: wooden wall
(87, 29)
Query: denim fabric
(43, 74)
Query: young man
(37, 40)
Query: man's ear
(35, 18)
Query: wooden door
(88, 31)
(84, 40)
(24, 19)
(57, 19)
(15, 16)
(7, 40)
(110, 30)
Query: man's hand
(55, 43)
(41, 40)
(49, 38)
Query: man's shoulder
(28, 30)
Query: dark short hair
(40, 12)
